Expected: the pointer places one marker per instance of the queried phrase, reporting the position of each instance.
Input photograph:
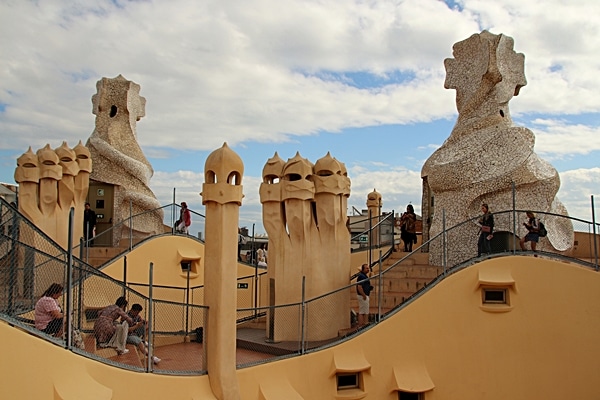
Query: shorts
(532, 237)
(134, 339)
(363, 305)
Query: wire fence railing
(30, 262)
(295, 329)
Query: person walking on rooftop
(89, 225)
(408, 229)
(533, 228)
(363, 289)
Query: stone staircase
(98, 255)
(398, 284)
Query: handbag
(486, 229)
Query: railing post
(187, 302)
(14, 233)
(150, 319)
(444, 244)
(253, 251)
(130, 224)
(379, 290)
(173, 209)
(255, 291)
(124, 275)
(514, 211)
(379, 225)
(369, 237)
(594, 231)
(255, 276)
(87, 242)
(303, 327)
(393, 232)
(69, 286)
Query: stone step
(413, 271)
(417, 257)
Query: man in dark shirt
(89, 223)
(363, 289)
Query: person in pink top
(48, 315)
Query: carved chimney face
(297, 169)
(347, 182)
(84, 158)
(273, 170)
(297, 179)
(49, 163)
(67, 160)
(27, 168)
(374, 199)
(328, 176)
(328, 166)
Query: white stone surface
(486, 153)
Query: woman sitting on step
(108, 331)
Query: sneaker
(155, 359)
(121, 352)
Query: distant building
(8, 192)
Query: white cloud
(576, 191)
(274, 71)
(556, 138)
(237, 71)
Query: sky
(361, 79)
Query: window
(186, 266)
(410, 396)
(347, 381)
(494, 296)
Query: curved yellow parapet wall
(444, 343)
(166, 253)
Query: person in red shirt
(185, 219)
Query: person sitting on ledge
(48, 315)
(137, 331)
(110, 333)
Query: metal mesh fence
(30, 263)
(265, 333)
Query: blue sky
(362, 80)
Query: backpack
(542, 229)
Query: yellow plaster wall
(166, 253)
(545, 347)
(584, 245)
